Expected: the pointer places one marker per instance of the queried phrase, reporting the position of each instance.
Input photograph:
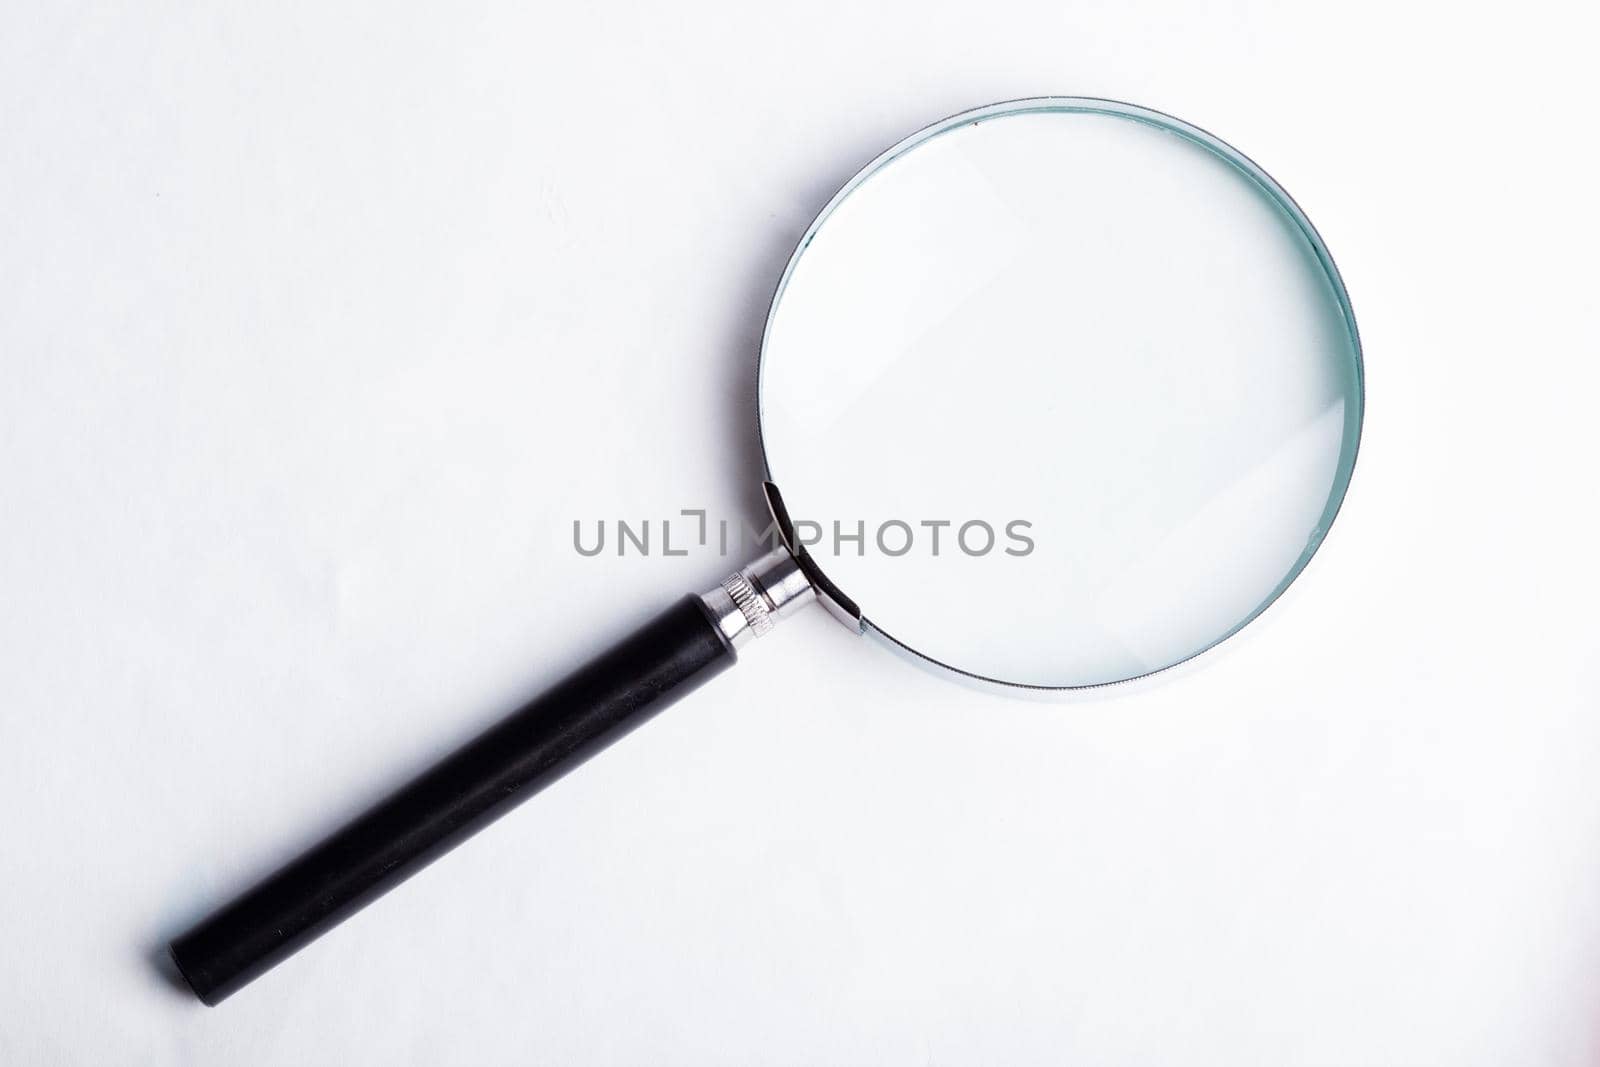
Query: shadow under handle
(665, 659)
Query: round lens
(1061, 392)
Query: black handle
(480, 782)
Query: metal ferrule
(749, 602)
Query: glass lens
(1061, 392)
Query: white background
(319, 325)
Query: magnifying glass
(1054, 394)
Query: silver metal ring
(751, 603)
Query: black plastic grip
(599, 703)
